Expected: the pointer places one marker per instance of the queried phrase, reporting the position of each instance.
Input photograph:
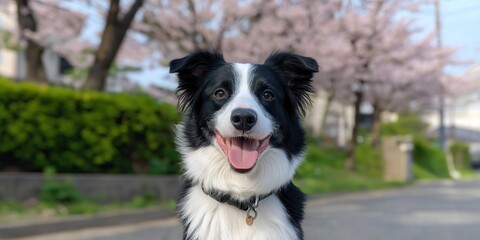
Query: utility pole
(454, 174)
(441, 111)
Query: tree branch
(113, 11)
(127, 19)
(25, 16)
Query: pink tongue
(243, 154)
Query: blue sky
(460, 29)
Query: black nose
(243, 118)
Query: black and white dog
(241, 141)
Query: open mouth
(242, 152)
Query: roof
(460, 134)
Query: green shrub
(148, 198)
(319, 157)
(369, 161)
(54, 191)
(408, 124)
(461, 155)
(84, 131)
(429, 160)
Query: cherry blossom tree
(48, 23)
(180, 27)
(388, 60)
(406, 73)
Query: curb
(83, 222)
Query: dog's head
(241, 121)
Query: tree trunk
(350, 161)
(328, 105)
(376, 126)
(35, 69)
(112, 38)
(33, 51)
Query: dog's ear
(191, 71)
(196, 64)
(296, 71)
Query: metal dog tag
(250, 216)
(249, 220)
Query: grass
(12, 211)
(468, 174)
(339, 180)
(323, 169)
(323, 172)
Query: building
(462, 113)
(338, 122)
(12, 58)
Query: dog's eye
(267, 95)
(220, 94)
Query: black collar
(226, 197)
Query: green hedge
(429, 160)
(369, 161)
(407, 124)
(84, 131)
(461, 155)
(319, 157)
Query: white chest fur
(211, 220)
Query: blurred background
(87, 108)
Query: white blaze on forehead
(243, 97)
(243, 94)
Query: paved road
(437, 211)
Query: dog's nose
(243, 118)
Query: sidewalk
(124, 218)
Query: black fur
(296, 71)
(287, 75)
(294, 202)
(291, 197)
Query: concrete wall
(8, 63)
(23, 186)
(397, 154)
